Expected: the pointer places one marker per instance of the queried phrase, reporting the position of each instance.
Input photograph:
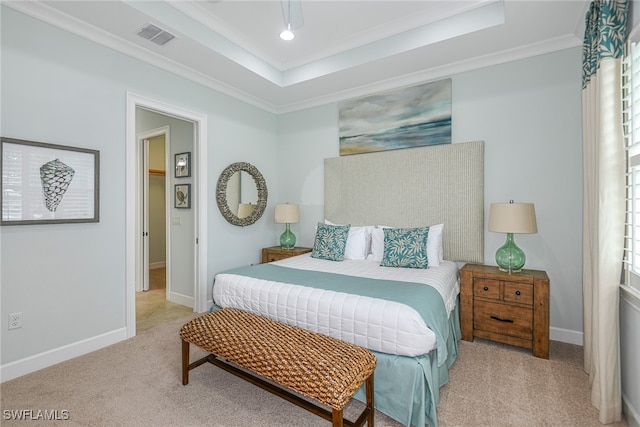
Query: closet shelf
(158, 172)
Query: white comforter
(377, 324)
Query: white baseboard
(159, 264)
(566, 335)
(48, 358)
(181, 299)
(631, 414)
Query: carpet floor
(137, 382)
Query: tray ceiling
(343, 50)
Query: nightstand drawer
(276, 256)
(518, 292)
(486, 288)
(503, 319)
(276, 253)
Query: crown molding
(471, 64)
(199, 27)
(42, 12)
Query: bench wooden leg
(185, 362)
(338, 418)
(369, 393)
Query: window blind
(631, 116)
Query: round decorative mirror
(241, 201)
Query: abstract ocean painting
(402, 118)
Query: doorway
(186, 228)
(153, 290)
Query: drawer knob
(486, 288)
(502, 320)
(517, 292)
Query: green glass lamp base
(287, 239)
(509, 257)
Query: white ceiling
(344, 48)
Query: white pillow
(377, 243)
(434, 244)
(358, 242)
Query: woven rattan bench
(310, 364)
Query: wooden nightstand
(276, 253)
(508, 308)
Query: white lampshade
(245, 209)
(287, 214)
(513, 218)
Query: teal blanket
(425, 299)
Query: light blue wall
(528, 114)
(306, 138)
(69, 280)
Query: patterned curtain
(603, 200)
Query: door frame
(199, 201)
(142, 259)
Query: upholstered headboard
(411, 188)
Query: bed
(402, 304)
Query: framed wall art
(48, 183)
(402, 118)
(183, 165)
(182, 196)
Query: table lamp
(287, 214)
(512, 218)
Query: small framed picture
(183, 165)
(182, 196)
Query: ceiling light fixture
(292, 15)
(287, 34)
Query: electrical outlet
(15, 320)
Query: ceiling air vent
(156, 35)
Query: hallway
(152, 307)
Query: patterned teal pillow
(405, 247)
(331, 241)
